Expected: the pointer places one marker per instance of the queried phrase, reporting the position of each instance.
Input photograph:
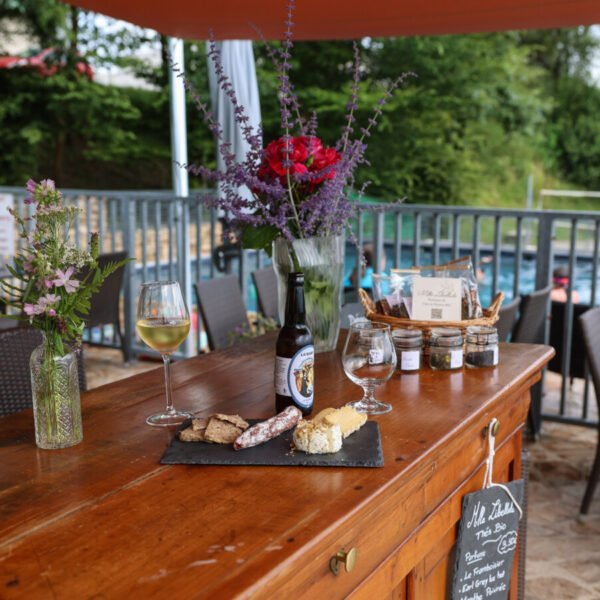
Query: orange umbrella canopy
(344, 19)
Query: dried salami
(269, 429)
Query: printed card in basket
(436, 299)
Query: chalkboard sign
(487, 539)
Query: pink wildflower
(64, 279)
(48, 300)
(51, 312)
(30, 187)
(47, 186)
(33, 309)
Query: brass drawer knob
(495, 425)
(348, 559)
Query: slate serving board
(361, 449)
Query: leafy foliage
(572, 128)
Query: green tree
(575, 131)
(472, 97)
(571, 133)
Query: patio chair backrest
(534, 309)
(265, 282)
(507, 317)
(16, 346)
(590, 327)
(104, 308)
(557, 325)
(222, 309)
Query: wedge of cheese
(320, 416)
(317, 438)
(348, 419)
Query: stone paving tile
(563, 551)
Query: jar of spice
(482, 347)
(445, 349)
(409, 344)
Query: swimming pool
(583, 271)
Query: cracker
(191, 435)
(199, 424)
(233, 419)
(221, 431)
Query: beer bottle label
(295, 376)
(375, 356)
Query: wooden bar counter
(105, 520)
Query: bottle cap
(296, 277)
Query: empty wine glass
(163, 322)
(369, 359)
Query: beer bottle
(294, 352)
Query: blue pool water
(583, 277)
(583, 272)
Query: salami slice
(269, 429)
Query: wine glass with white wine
(369, 359)
(163, 322)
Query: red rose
(312, 144)
(305, 153)
(326, 157)
(276, 155)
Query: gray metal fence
(515, 251)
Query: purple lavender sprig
(298, 187)
(352, 105)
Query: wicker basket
(490, 316)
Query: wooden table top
(105, 519)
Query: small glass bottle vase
(321, 259)
(55, 390)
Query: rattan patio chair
(104, 308)
(557, 325)
(530, 330)
(507, 317)
(590, 326)
(222, 309)
(534, 311)
(265, 282)
(16, 346)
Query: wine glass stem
(369, 393)
(167, 364)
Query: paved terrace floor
(563, 552)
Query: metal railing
(515, 250)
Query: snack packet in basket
(393, 293)
(462, 269)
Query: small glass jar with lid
(445, 349)
(409, 346)
(482, 347)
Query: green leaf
(259, 238)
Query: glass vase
(56, 406)
(321, 259)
